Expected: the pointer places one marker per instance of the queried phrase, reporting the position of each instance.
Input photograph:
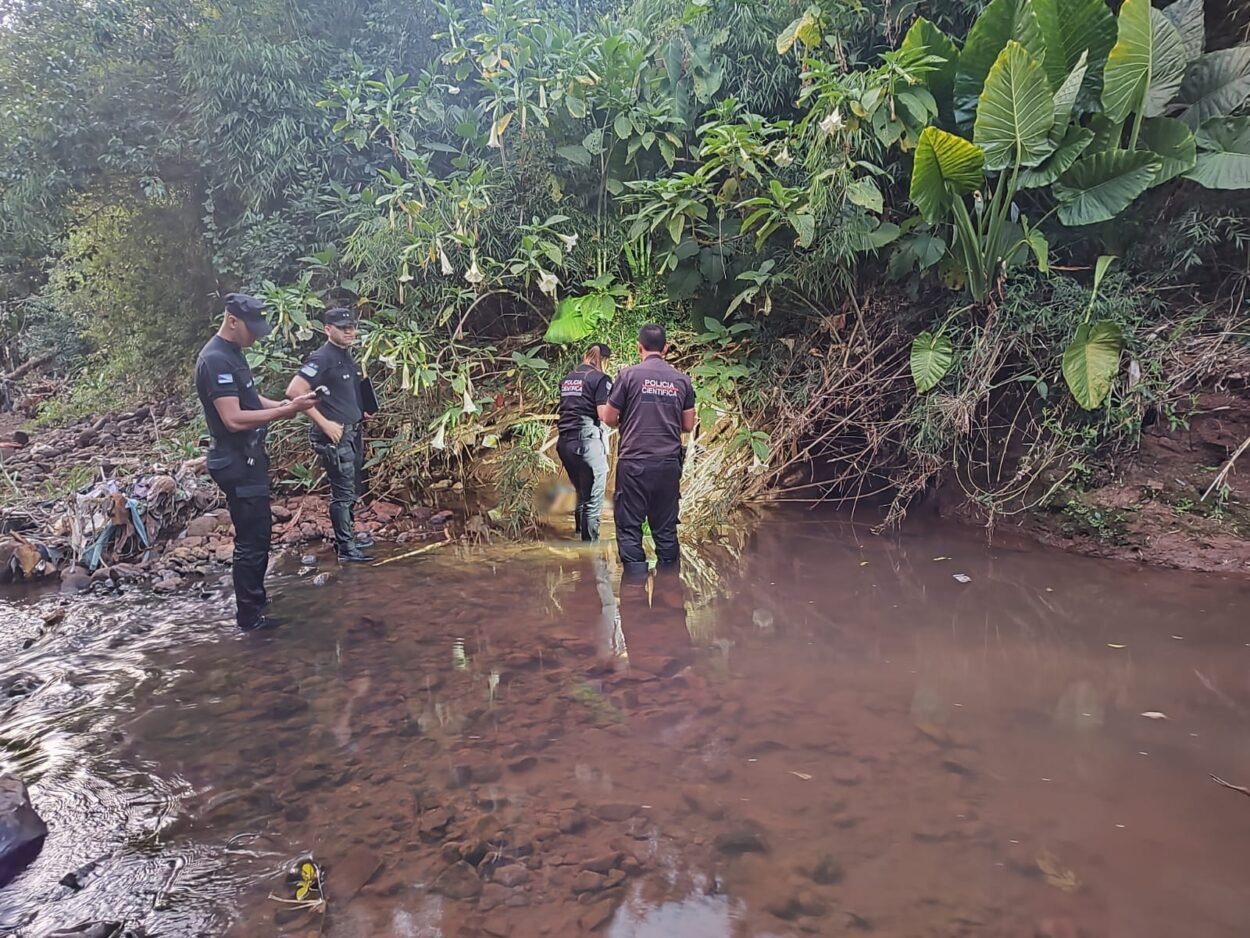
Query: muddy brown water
(828, 734)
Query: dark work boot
(355, 555)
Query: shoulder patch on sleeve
(226, 378)
(309, 370)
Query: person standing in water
(653, 403)
(581, 446)
(337, 433)
(237, 417)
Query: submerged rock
(22, 831)
(458, 881)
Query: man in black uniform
(237, 415)
(337, 435)
(583, 399)
(653, 403)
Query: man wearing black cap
(336, 434)
(237, 416)
(583, 398)
(653, 404)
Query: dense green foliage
(786, 185)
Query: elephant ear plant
(1061, 109)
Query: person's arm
(238, 420)
(610, 413)
(602, 390)
(332, 429)
(687, 410)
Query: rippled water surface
(826, 734)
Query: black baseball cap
(339, 316)
(249, 309)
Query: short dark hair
(652, 338)
(604, 351)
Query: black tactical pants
(247, 494)
(586, 461)
(343, 463)
(647, 491)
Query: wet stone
(570, 823)
(493, 895)
(597, 915)
(826, 871)
(458, 881)
(741, 840)
(586, 881)
(349, 874)
(602, 864)
(616, 811)
(511, 875)
(498, 926)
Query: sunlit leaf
(1146, 64)
(945, 166)
(931, 359)
(1016, 111)
(1001, 21)
(1091, 362)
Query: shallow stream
(826, 732)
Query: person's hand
(334, 431)
(297, 405)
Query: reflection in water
(653, 620)
(516, 741)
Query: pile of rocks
(108, 443)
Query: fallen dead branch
(1230, 785)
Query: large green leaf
(1173, 143)
(945, 166)
(1146, 64)
(864, 193)
(1001, 21)
(805, 29)
(931, 358)
(569, 324)
(1186, 16)
(1016, 111)
(1099, 187)
(1070, 150)
(1223, 154)
(1091, 361)
(941, 81)
(1215, 85)
(1074, 27)
(1065, 98)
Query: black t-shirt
(581, 392)
(335, 369)
(222, 371)
(651, 397)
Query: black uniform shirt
(222, 371)
(651, 397)
(335, 369)
(581, 392)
